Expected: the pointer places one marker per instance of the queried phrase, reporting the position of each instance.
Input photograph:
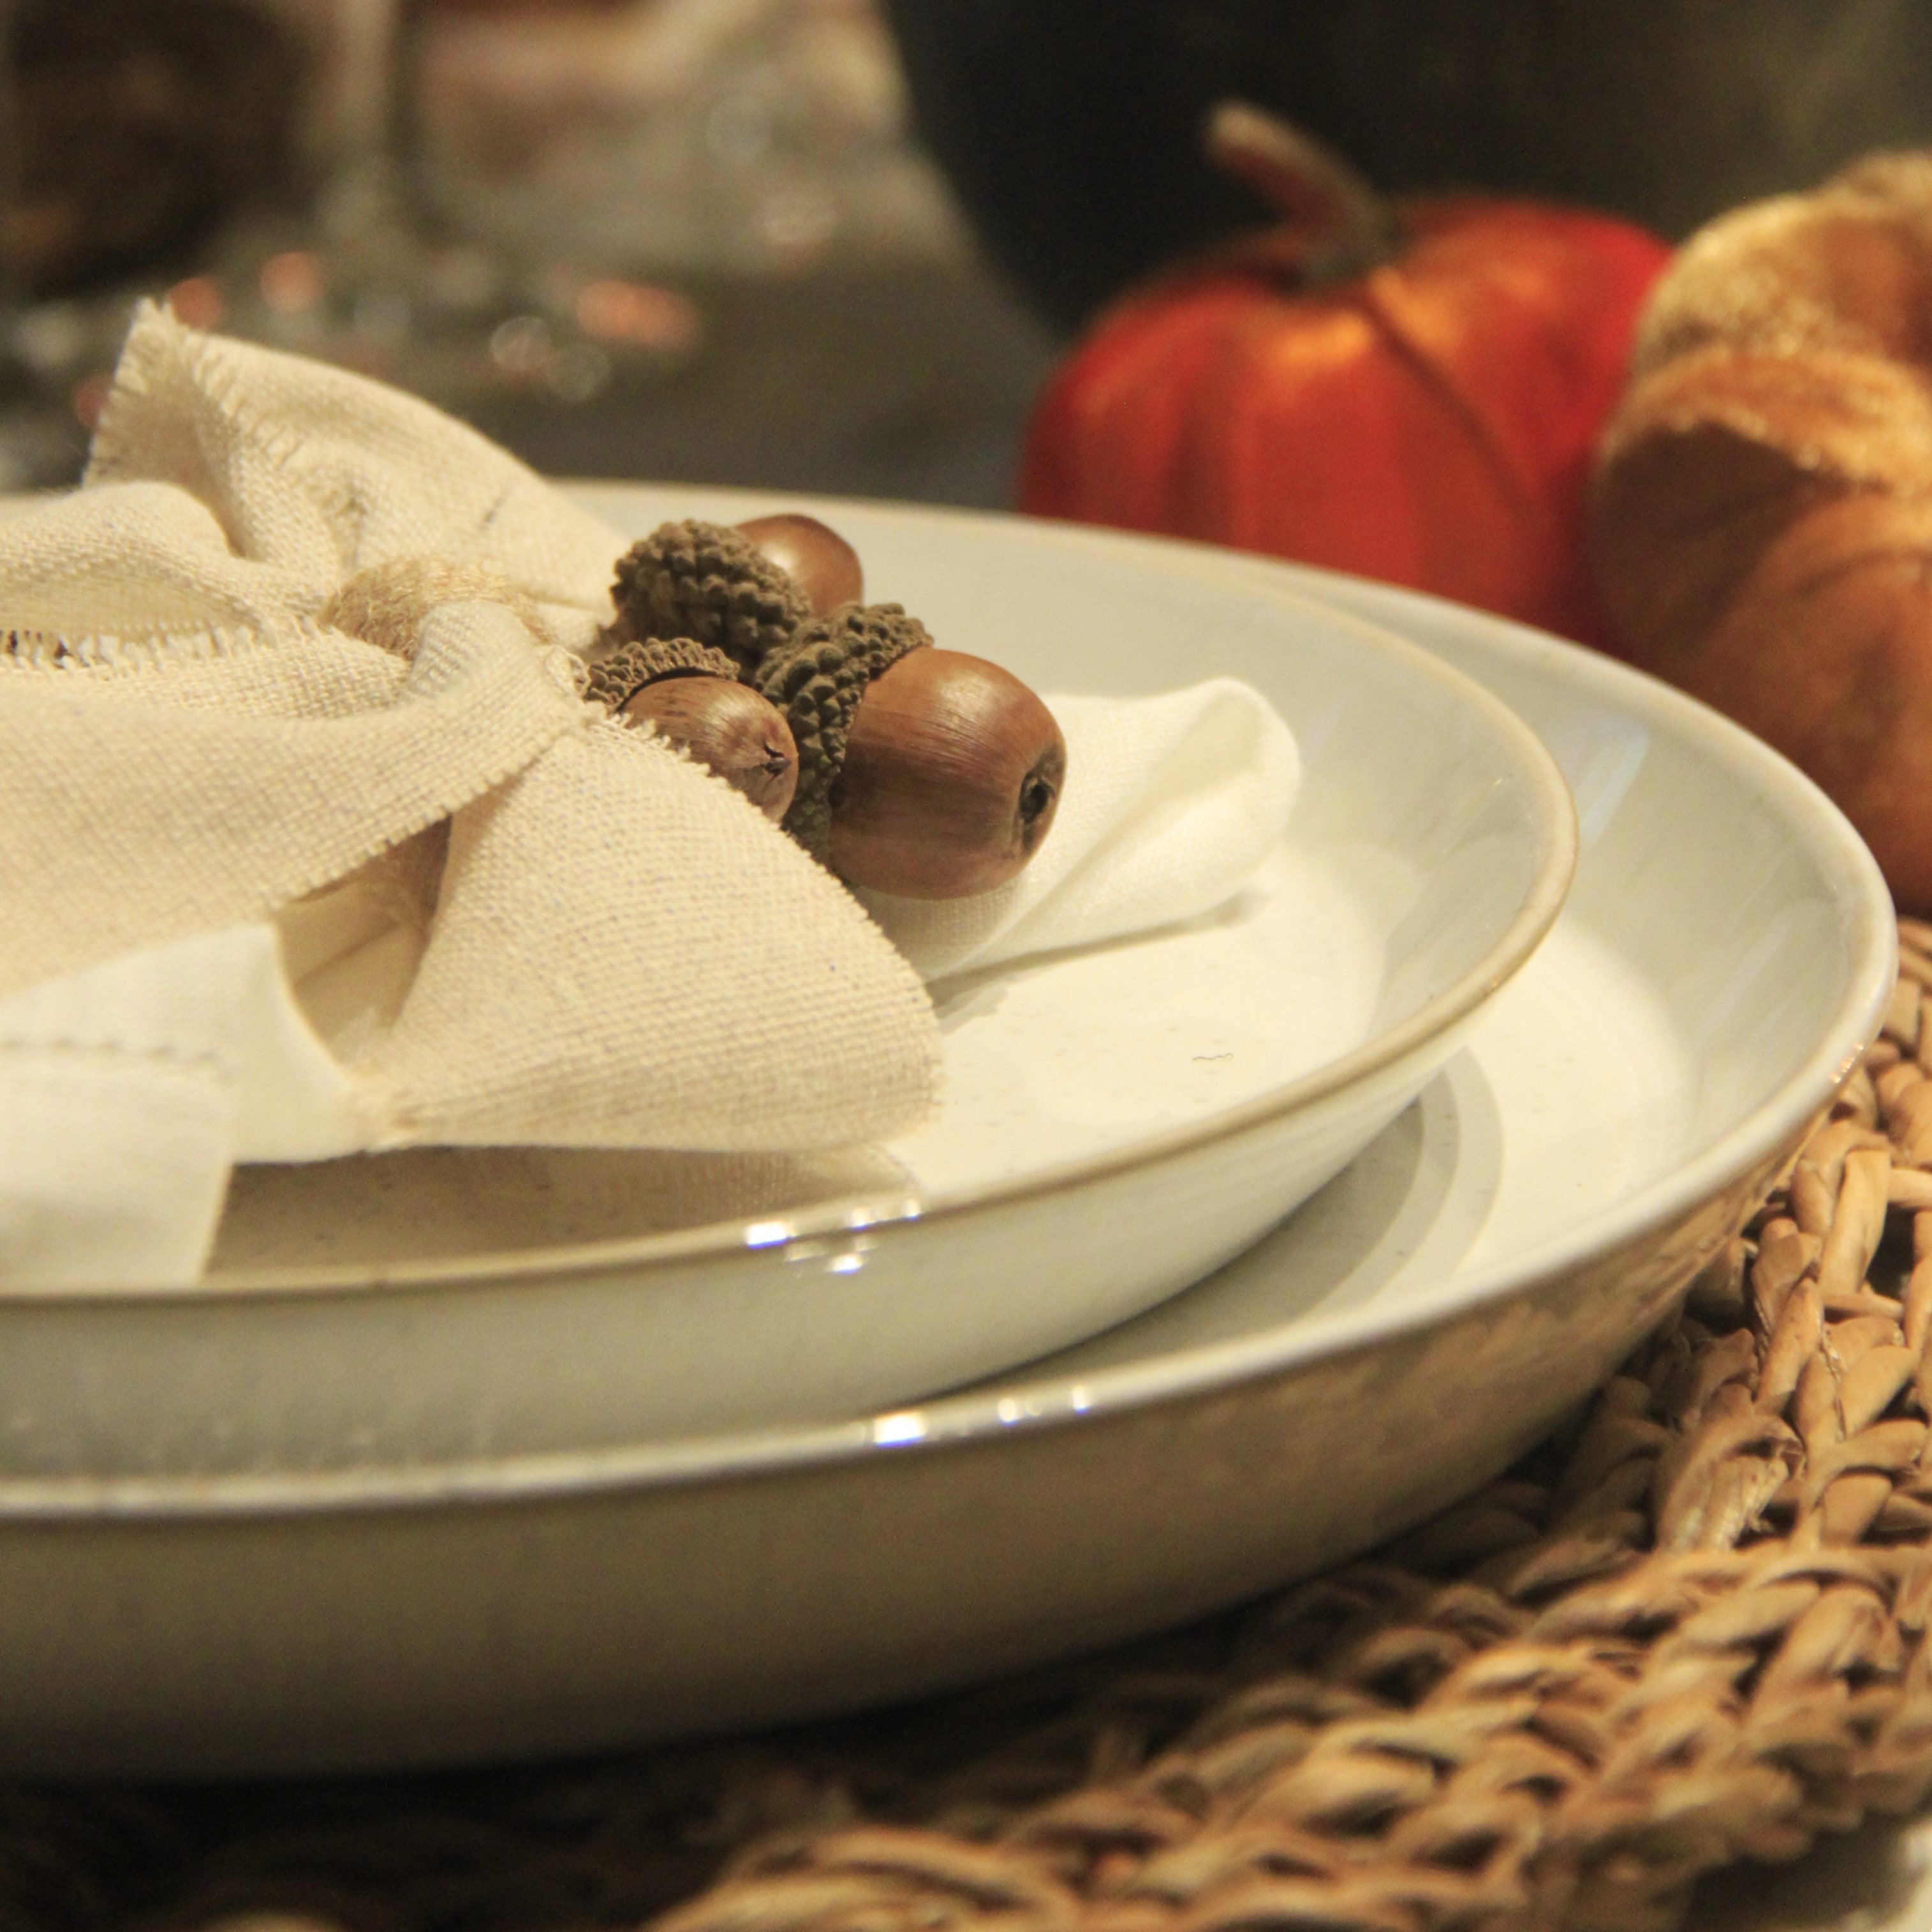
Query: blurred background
(826, 244)
(677, 239)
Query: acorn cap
(817, 680)
(710, 583)
(615, 680)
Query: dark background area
(1075, 146)
(909, 381)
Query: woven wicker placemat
(1690, 1630)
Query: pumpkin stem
(1352, 228)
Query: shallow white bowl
(1722, 963)
(1117, 1121)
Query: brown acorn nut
(953, 770)
(823, 566)
(729, 729)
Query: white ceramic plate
(1724, 960)
(1116, 1122)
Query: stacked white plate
(459, 1456)
(1117, 1120)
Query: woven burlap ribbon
(274, 889)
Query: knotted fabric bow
(229, 817)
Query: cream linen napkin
(272, 891)
(1169, 805)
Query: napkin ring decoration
(915, 771)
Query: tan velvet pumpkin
(1761, 523)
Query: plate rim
(1018, 1404)
(1554, 824)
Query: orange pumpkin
(1409, 391)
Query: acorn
(953, 771)
(709, 584)
(689, 694)
(925, 773)
(729, 729)
(823, 566)
(742, 590)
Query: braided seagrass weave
(1690, 1631)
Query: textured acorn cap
(710, 583)
(817, 680)
(616, 680)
